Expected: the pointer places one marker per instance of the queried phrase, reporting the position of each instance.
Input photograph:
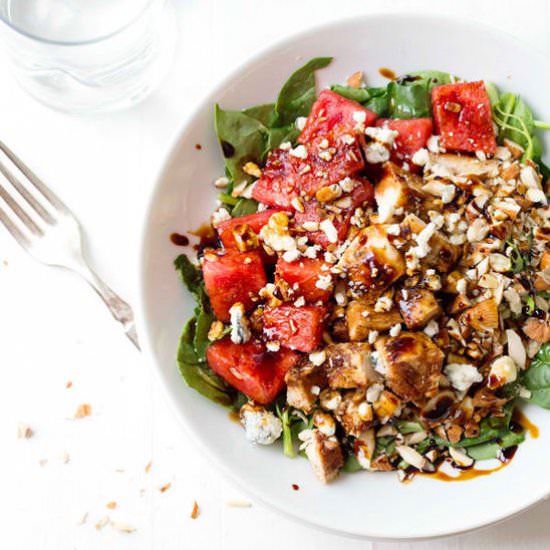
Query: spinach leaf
(351, 464)
(490, 429)
(200, 339)
(492, 449)
(243, 207)
(433, 78)
(411, 100)
(537, 378)
(298, 92)
(288, 443)
(492, 92)
(409, 426)
(196, 373)
(361, 95)
(243, 139)
(192, 279)
(264, 113)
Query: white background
(54, 329)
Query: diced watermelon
(231, 276)
(296, 328)
(303, 274)
(331, 144)
(250, 368)
(334, 115)
(412, 135)
(226, 230)
(313, 212)
(278, 185)
(462, 116)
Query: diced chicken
(453, 166)
(418, 306)
(442, 255)
(483, 317)
(304, 382)
(412, 363)
(354, 413)
(349, 366)
(361, 318)
(387, 406)
(324, 453)
(398, 188)
(371, 261)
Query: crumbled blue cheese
(377, 153)
(240, 327)
(445, 191)
(432, 328)
(318, 357)
(536, 195)
(422, 239)
(359, 117)
(324, 282)
(276, 235)
(381, 134)
(261, 426)
(421, 157)
(528, 177)
(347, 184)
(462, 375)
(220, 215)
(433, 144)
(374, 391)
(300, 122)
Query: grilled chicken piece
(386, 406)
(354, 413)
(362, 318)
(304, 382)
(451, 166)
(348, 365)
(442, 255)
(396, 189)
(483, 317)
(371, 261)
(412, 364)
(325, 455)
(418, 306)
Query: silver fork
(49, 232)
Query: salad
(375, 292)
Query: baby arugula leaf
(298, 92)
(537, 378)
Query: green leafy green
(298, 92)
(409, 426)
(351, 464)
(492, 449)
(407, 97)
(288, 444)
(191, 277)
(244, 207)
(196, 373)
(519, 261)
(490, 429)
(537, 378)
(242, 139)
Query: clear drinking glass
(88, 55)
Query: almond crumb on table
(24, 431)
(82, 411)
(165, 488)
(195, 511)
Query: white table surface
(55, 329)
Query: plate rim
(179, 136)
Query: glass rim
(96, 40)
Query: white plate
(373, 505)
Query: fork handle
(119, 309)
